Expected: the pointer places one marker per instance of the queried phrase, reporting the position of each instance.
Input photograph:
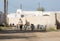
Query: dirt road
(31, 36)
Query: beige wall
(43, 20)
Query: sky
(31, 5)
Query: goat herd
(32, 27)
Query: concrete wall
(49, 20)
(43, 20)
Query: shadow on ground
(18, 31)
(15, 37)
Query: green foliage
(51, 29)
(1, 29)
(40, 9)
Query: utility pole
(39, 4)
(5, 11)
(20, 6)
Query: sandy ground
(31, 36)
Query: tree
(5, 11)
(40, 9)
